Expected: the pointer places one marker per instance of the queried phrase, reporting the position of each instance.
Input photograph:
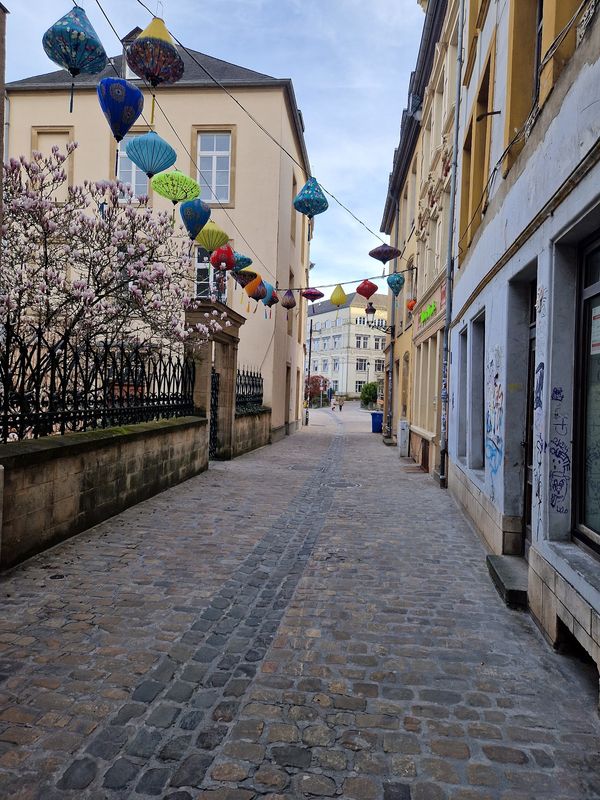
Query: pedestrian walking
(340, 403)
(333, 403)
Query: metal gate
(214, 413)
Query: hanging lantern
(411, 304)
(256, 289)
(74, 45)
(366, 289)
(223, 258)
(310, 200)
(154, 57)
(244, 276)
(241, 261)
(385, 253)
(211, 236)
(175, 186)
(288, 300)
(121, 103)
(312, 294)
(395, 281)
(338, 296)
(272, 300)
(150, 153)
(194, 215)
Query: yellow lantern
(338, 296)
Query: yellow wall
(261, 202)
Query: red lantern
(367, 289)
(411, 304)
(312, 294)
(223, 256)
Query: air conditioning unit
(403, 438)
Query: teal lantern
(310, 200)
(241, 261)
(74, 45)
(395, 281)
(151, 153)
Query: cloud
(350, 63)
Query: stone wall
(58, 486)
(251, 430)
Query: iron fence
(248, 390)
(57, 384)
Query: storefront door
(528, 443)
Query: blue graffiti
(538, 392)
(558, 394)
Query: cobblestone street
(314, 619)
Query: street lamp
(370, 311)
(368, 368)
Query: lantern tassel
(117, 163)
(266, 313)
(152, 111)
(255, 307)
(72, 94)
(248, 307)
(270, 313)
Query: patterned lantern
(121, 103)
(211, 236)
(151, 153)
(223, 258)
(385, 253)
(411, 304)
(338, 296)
(74, 45)
(241, 261)
(194, 215)
(271, 300)
(154, 57)
(312, 294)
(288, 300)
(395, 281)
(244, 276)
(367, 289)
(310, 200)
(256, 289)
(175, 186)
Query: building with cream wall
(524, 444)
(256, 187)
(345, 350)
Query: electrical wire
(267, 133)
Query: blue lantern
(310, 200)
(121, 103)
(150, 153)
(241, 261)
(74, 45)
(395, 281)
(194, 215)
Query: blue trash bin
(376, 421)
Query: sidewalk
(314, 619)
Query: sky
(350, 62)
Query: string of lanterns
(73, 44)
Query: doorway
(532, 399)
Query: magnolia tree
(98, 265)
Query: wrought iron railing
(57, 384)
(248, 391)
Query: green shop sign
(428, 312)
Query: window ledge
(575, 566)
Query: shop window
(587, 525)
(476, 418)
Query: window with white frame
(339, 322)
(358, 386)
(326, 343)
(361, 320)
(127, 171)
(379, 365)
(336, 364)
(337, 340)
(317, 326)
(362, 342)
(325, 365)
(210, 283)
(316, 343)
(328, 323)
(361, 364)
(335, 385)
(214, 162)
(315, 366)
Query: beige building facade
(245, 178)
(345, 349)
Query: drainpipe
(390, 410)
(449, 254)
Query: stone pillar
(203, 363)
(226, 366)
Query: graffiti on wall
(538, 391)
(560, 454)
(494, 417)
(541, 301)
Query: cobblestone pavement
(313, 619)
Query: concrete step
(509, 574)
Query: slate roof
(223, 71)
